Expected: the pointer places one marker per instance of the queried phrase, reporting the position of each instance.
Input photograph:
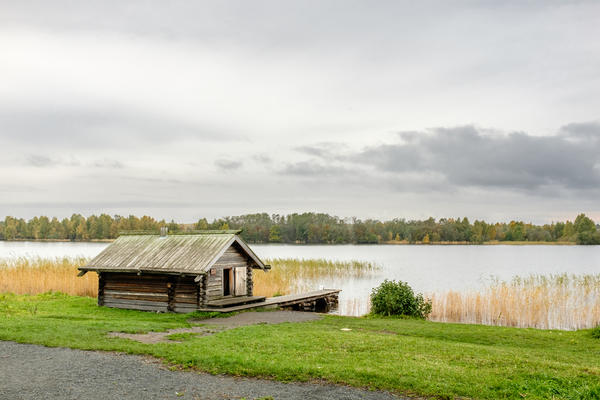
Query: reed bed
(354, 306)
(288, 275)
(40, 275)
(293, 275)
(566, 302)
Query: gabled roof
(181, 253)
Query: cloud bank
(465, 156)
(182, 110)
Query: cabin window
(226, 281)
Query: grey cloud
(267, 24)
(108, 163)
(44, 161)
(468, 157)
(585, 130)
(228, 164)
(391, 157)
(100, 127)
(262, 158)
(16, 188)
(324, 150)
(444, 159)
(313, 150)
(313, 169)
(40, 161)
(93, 206)
(152, 180)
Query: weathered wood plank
(135, 298)
(184, 301)
(137, 282)
(230, 301)
(184, 310)
(128, 293)
(134, 277)
(139, 302)
(130, 306)
(138, 289)
(187, 294)
(229, 264)
(283, 301)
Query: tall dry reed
(39, 275)
(289, 275)
(292, 275)
(547, 302)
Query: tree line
(316, 228)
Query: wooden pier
(317, 301)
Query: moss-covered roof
(181, 253)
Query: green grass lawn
(400, 355)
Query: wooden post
(101, 283)
(198, 294)
(204, 282)
(171, 285)
(249, 283)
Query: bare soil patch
(214, 325)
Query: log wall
(137, 292)
(149, 292)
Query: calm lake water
(427, 269)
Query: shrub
(596, 332)
(398, 298)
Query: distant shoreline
(60, 240)
(488, 243)
(390, 242)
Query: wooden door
(227, 282)
(240, 281)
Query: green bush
(398, 298)
(596, 332)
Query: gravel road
(37, 372)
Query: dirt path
(36, 372)
(214, 325)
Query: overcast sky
(370, 109)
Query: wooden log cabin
(175, 272)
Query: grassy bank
(401, 355)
